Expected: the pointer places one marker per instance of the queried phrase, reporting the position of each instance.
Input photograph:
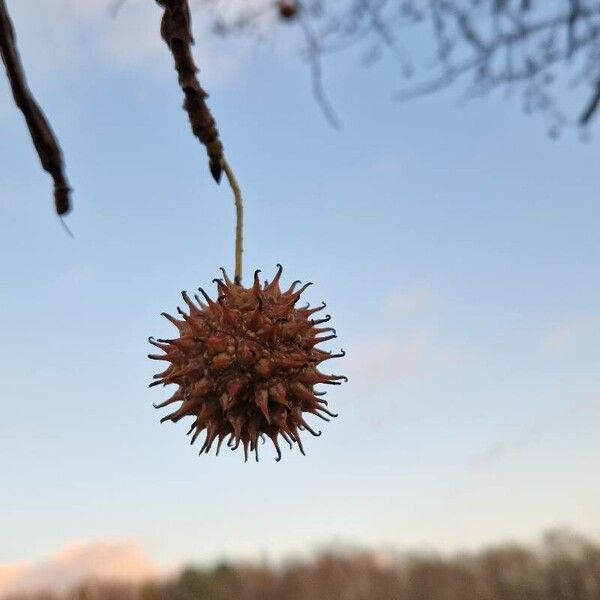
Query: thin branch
(43, 137)
(177, 33)
(591, 108)
(573, 16)
(314, 58)
(116, 6)
(495, 43)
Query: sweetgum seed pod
(246, 366)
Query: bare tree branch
(529, 45)
(591, 108)
(43, 137)
(177, 33)
(314, 57)
(116, 6)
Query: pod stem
(239, 220)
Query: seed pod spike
(273, 287)
(317, 414)
(194, 310)
(208, 299)
(220, 441)
(328, 412)
(320, 321)
(159, 357)
(176, 397)
(287, 439)
(158, 343)
(303, 288)
(256, 289)
(225, 277)
(312, 311)
(310, 429)
(200, 303)
(299, 442)
(178, 324)
(290, 290)
(326, 338)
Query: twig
(116, 6)
(314, 58)
(43, 137)
(177, 34)
(588, 113)
(239, 229)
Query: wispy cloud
(568, 332)
(545, 426)
(386, 358)
(399, 352)
(402, 301)
(114, 561)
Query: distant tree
(565, 567)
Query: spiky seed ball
(246, 365)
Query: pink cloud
(386, 358)
(569, 331)
(9, 574)
(114, 561)
(409, 301)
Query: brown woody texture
(42, 135)
(176, 31)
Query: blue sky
(455, 244)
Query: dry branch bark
(177, 33)
(43, 137)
